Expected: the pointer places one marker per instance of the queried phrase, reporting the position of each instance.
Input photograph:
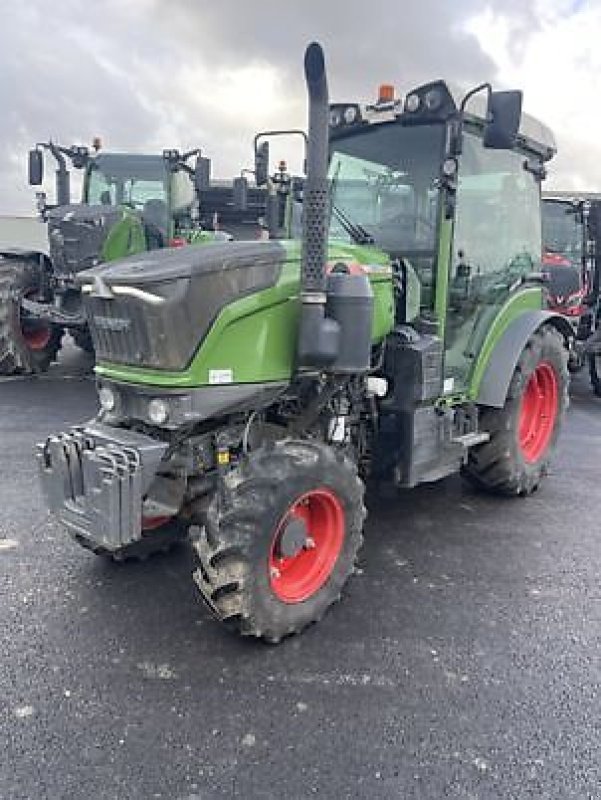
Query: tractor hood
(154, 309)
(77, 234)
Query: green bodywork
(126, 237)
(255, 336)
(526, 299)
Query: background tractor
(572, 264)
(130, 204)
(248, 391)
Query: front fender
(499, 370)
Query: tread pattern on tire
(17, 275)
(498, 465)
(232, 547)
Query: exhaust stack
(63, 182)
(336, 310)
(318, 336)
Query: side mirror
(240, 192)
(202, 173)
(262, 164)
(36, 167)
(504, 114)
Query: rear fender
(501, 365)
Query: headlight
(158, 411)
(107, 398)
(412, 103)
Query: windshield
(126, 182)
(384, 187)
(562, 231)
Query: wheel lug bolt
(274, 573)
(310, 543)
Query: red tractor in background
(571, 228)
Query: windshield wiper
(357, 232)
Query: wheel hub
(293, 537)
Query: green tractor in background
(248, 391)
(130, 204)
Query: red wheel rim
(36, 335)
(298, 577)
(538, 412)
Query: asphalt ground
(463, 662)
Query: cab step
(472, 439)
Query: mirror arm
(456, 143)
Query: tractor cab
(453, 202)
(158, 188)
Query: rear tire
(25, 347)
(523, 433)
(281, 539)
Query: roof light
(335, 117)
(433, 99)
(350, 114)
(412, 103)
(386, 93)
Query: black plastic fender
(499, 370)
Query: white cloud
(559, 71)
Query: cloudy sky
(149, 74)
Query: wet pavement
(463, 662)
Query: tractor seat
(155, 217)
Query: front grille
(120, 330)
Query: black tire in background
(594, 366)
(26, 347)
(523, 433)
(280, 539)
(83, 340)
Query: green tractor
(130, 204)
(247, 392)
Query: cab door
(496, 242)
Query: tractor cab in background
(571, 226)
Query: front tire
(281, 539)
(26, 346)
(523, 433)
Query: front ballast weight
(95, 480)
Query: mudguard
(499, 370)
